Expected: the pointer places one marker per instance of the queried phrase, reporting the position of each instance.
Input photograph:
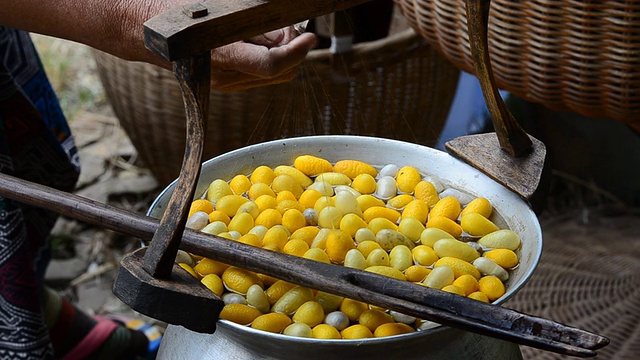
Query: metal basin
(232, 341)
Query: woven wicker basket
(576, 55)
(589, 279)
(396, 87)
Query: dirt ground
(589, 274)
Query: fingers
(269, 39)
(260, 60)
(244, 65)
(275, 38)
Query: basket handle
(513, 139)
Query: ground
(593, 230)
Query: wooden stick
(194, 77)
(435, 305)
(513, 139)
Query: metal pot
(233, 341)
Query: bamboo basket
(396, 87)
(588, 279)
(568, 55)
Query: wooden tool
(509, 156)
(185, 36)
(422, 302)
(151, 271)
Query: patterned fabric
(35, 144)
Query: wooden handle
(445, 308)
(173, 36)
(513, 139)
(194, 77)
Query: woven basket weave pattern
(397, 87)
(588, 279)
(582, 56)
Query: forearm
(114, 26)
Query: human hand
(270, 58)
